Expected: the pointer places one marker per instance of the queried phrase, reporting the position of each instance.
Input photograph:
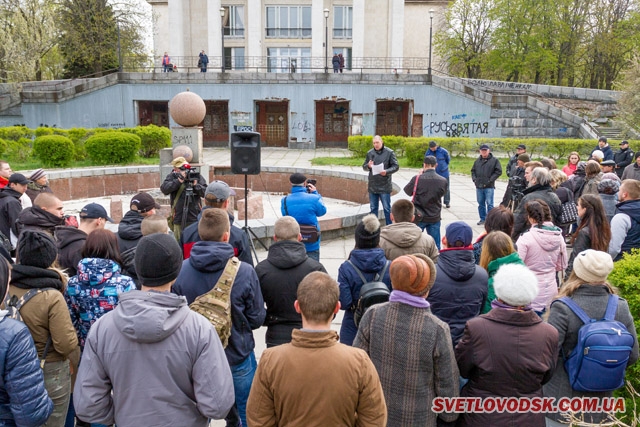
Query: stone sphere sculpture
(187, 109)
(183, 151)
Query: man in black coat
(484, 173)
(280, 274)
(623, 158)
(604, 146)
(10, 206)
(380, 185)
(142, 205)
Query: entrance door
(332, 123)
(153, 112)
(416, 126)
(273, 123)
(392, 118)
(215, 125)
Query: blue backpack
(599, 360)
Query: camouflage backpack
(215, 305)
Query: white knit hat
(593, 266)
(515, 285)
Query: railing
(287, 64)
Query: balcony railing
(288, 33)
(288, 64)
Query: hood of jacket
(29, 277)
(287, 254)
(149, 316)
(35, 216)
(457, 263)
(129, 227)
(401, 234)
(512, 258)
(631, 208)
(537, 187)
(66, 235)
(548, 237)
(98, 270)
(9, 192)
(210, 256)
(368, 260)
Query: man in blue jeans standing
(486, 169)
(442, 168)
(381, 163)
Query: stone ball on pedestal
(187, 109)
(183, 151)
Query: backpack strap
(380, 275)
(222, 289)
(358, 271)
(577, 310)
(612, 306)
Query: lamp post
(119, 50)
(326, 41)
(431, 12)
(222, 11)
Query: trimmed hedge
(54, 150)
(106, 148)
(414, 148)
(153, 138)
(626, 277)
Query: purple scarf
(499, 304)
(407, 298)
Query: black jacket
(171, 185)
(280, 274)
(129, 232)
(512, 165)
(129, 266)
(623, 158)
(35, 218)
(485, 172)
(70, 241)
(431, 188)
(460, 289)
(237, 238)
(607, 151)
(535, 192)
(10, 208)
(379, 184)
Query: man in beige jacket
(315, 380)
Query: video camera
(518, 183)
(193, 174)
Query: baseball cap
(219, 190)
(522, 147)
(432, 144)
(459, 232)
(624, 143)
(18, 178)
(143, 202)
(484, 147)
(94, 210)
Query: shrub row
(19, 143)
(414, 148)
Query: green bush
(14, 133)
(153, 138)
(3, 147)
(18, 150)
(54, 150)
(114, 147)
(42, 131)
(626, 277)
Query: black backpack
(371, 293)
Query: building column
(214, 31)
(254, 29)
(358, 29)
(395, 49)
(176, 26)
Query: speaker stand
(248, 231)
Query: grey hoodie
(164, 363)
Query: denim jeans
(314, 255)
(447, 195)
(433, 230)
(385, 198)
(242, 378)
(57, 381)
(485, 201)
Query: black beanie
(368, 232)
(36, 249)
(158, 259)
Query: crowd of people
(97, 327)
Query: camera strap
(175, 201)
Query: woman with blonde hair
(588, 288)
(497, 250)
(572, 163)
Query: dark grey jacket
(485, 172)
(535, 192)
(379, 184)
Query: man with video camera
(186, 187)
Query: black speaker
(245, 153)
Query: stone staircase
(610, 132)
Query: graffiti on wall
(452, 129)
(241, 121)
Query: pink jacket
(544, 252)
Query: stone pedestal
(116, 209)
(191, 137)
(255, 210)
